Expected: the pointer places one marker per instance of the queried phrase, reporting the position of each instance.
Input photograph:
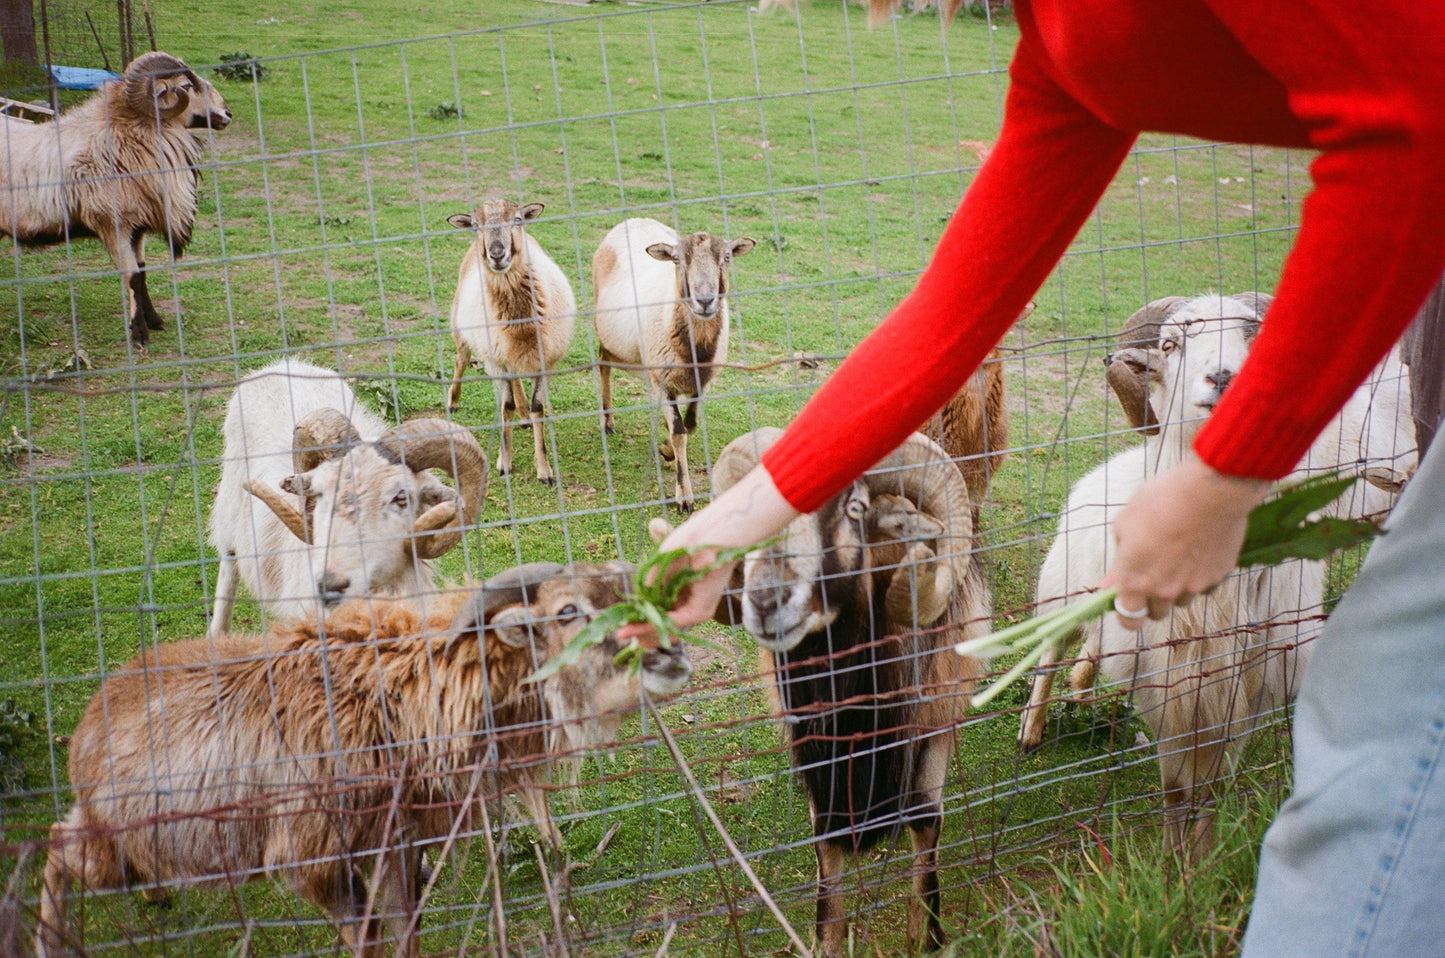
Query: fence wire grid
(558, 822)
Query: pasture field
(322, 234)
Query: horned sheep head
(367, 507)
(159, 85)
(906, 526)
(1136, 367)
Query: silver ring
(1134, 615)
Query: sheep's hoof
(154, 321)
(666, 452)
(608, 428)
(684, 506)
(547, 480)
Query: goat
(672, 321)
(1201, 680)
(515, 309)
(857, 609)
(327, 754)
(118, 166)
(352, 509)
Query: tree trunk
(17, 31)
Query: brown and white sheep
(662, 306)
(328, 757)
(857, 608)
(515, 310)
(118, 166)
(351, 507)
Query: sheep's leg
(538, 410)
(1041, 685)
(225, 601)
(90, 862)
(604, 375)
(832, 920)
(464, 361)
(396, 898)
(507, 406)
(924, 824)
(536, 801)
(140, 286)
(123, 252)
(677, 425)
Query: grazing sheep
(515, 310)
(329, 755)
(118, 166)
(857, 609)
(1202, 679)
(351, 508)
(662, 305)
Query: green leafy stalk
(1277, 530)
(656, 587)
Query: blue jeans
(1354, 865)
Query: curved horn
(1130, 386)
(142, 88)
(287, 512)
(1257, 301)
(921, 471)
(437, 444)
(739, 457)
(321, 435)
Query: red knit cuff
(1254, 447)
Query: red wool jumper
(1365, 86)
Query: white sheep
(118, 166)
(1201, 679)
(662, 306)
(319, 500)
(515, 310)
(331, 757)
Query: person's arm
(1052, 162)
(1369, 248)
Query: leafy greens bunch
(1278, 529)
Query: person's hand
(1178, 536)
(749, 513)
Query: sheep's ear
(741, 246)
(462, 221)
(532, 210)
(298, 485)
(663, 251)
(515, 626)
(904, 524)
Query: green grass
(323, 233)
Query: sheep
(857, 608)
(1202, 679)
(672, 322)
(351, 508)
(515, 309)
(118, 166)
(328, 754)
(972, 427)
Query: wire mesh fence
(403, 755)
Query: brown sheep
(118, 166)
(327, 757)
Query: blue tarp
(81, 78)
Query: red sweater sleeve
(1015, 222)
(1371, 90)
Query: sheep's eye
(402, 499)
(569, 613)
(855, 509)
(1169, 345)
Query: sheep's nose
(332, 588)
(1219, 379)
(706, 303)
